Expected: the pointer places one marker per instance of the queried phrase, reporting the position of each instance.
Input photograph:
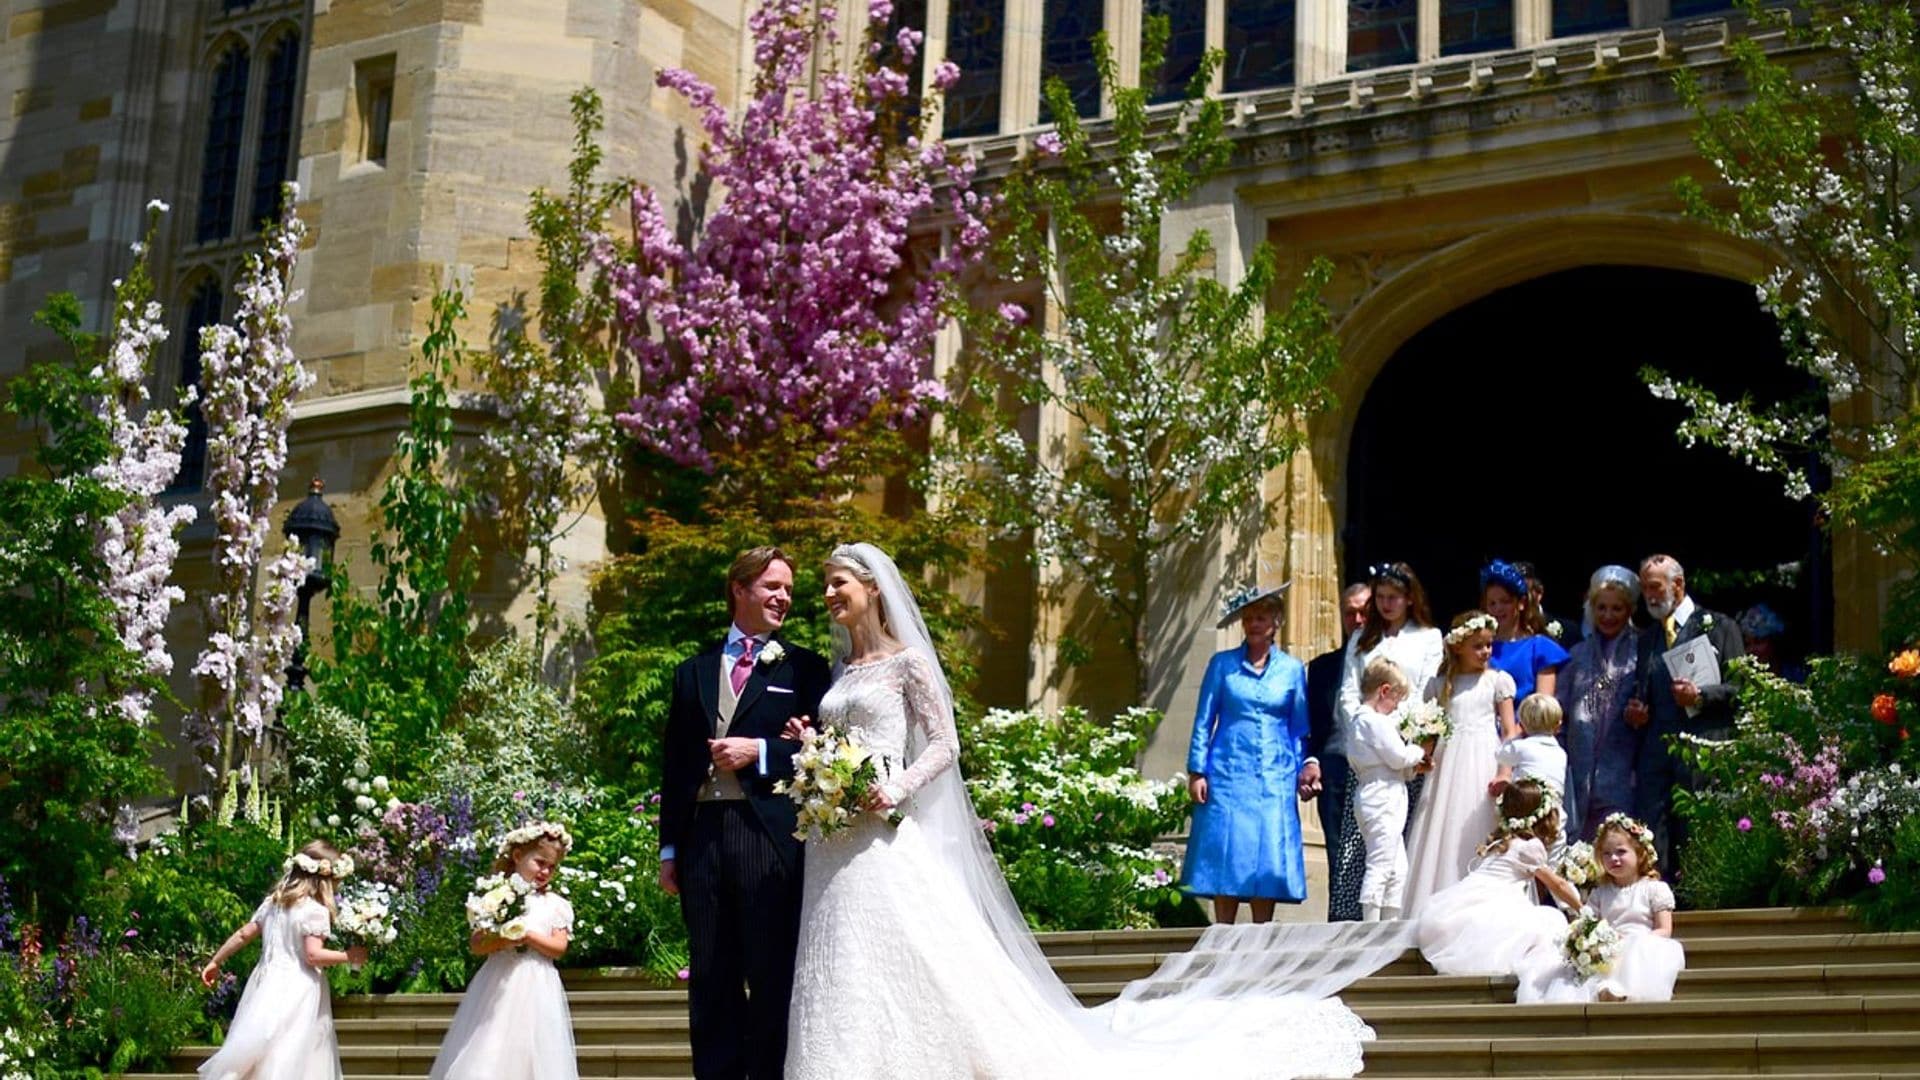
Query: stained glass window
(1382, 33)
(1186, 45)
(1259, 44)
(1066, 51)
(1472, 26)
(276, 128)
(220, 166)
(203, 310)
(1681, 9)
(1571, 17)
(975, 43)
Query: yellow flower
(1905, 664)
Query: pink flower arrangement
(1877, 875)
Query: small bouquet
(1592, 944)
(832, 775)
(1425, 723)
(1578, 865)
(363, 915)
(498, 905)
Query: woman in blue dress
(1521, 647)
(1249, 741)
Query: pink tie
(742, 667)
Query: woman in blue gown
(1521, 647)
(1249, 742)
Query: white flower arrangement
(1471, 627)
(1555, 630)
(336, 869)
(1706, 622)
(363, 915)
(497, 904)
(1592, 944)
(831, 777)
(1422, 721)
(1578, 865)
(539, 830)
(772, 653)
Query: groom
(726, 838)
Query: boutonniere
(1706, 622)
(771, 652)
(1554, 630)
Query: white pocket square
(779, 689)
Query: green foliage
(399, 660)
(328, 749)
(67, 756)
(666, 602)
(190, 889)
(130, 1010)
(621, 915)
(1071, 819)
(1181, 392)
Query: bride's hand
(878, 800)
(797, 729)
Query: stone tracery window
(278, 110)
(1186, 45)
(1382, 33)
(1686, 9)
(220, 164)
(1066, 51)
(202, 310)
(1259, 44)
(975, 41)
(1571, 17)
(1472, 26)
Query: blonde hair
(299, 884)
(1540, 714)
(1642, 844)
(1450, 654)
(1383, 672)
(1525, 800)
(503, 863)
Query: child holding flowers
(1639, 906)
(284, 1027)
(1488, 923)
(1457, 810)
(1381, 760)
(513, 1022)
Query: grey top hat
(1244, 598)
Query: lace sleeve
(929, 712)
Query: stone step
(1832, 1014)
(1796, 1054)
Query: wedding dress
(913, 960)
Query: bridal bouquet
(1425, 722)
(1592, 944)
(498, 905)
(1578, 865)
(363, 915)
(832, 775)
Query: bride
(914, 960)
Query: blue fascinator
(1504, 574)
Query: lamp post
(313, 527)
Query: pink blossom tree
(251, 378)
(797, 318)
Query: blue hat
(1241, 599)
(1504, 574)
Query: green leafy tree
(1181, 392)
(1825, 171)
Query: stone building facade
(1442, 153)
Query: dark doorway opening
(1518, 427)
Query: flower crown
(1635, 828)
(1506, 575)
(1475, 624)
(1549, 805)
(326, 868)
(539, 830)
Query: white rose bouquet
(498, 905)
(1578, 865)
(1425, 722)
(832, 775)
(363, 915)
(1592, 944)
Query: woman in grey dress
(1594, 687)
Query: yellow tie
(1672, 630)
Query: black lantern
(312, 526)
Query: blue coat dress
(1249, 739)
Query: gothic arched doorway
(1517, 426)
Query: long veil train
(1247, 1001)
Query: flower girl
(284, 1027)
(1639, 906)
(1489, 923)
(1456, 811)
(513, 1022)
(1382, 761)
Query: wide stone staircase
(1775, 992)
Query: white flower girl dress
(284, 1027)
(513, 1022)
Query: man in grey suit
(1664, 707)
